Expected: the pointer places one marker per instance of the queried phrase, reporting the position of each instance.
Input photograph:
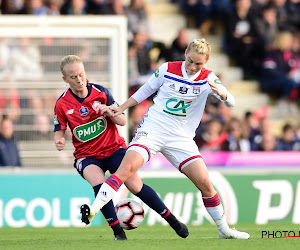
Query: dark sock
(109, 213)
(150, 197)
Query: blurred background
(255, 53)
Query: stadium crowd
(260, 36)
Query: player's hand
(216, 89)
(116, 110)
(60, 144)
(103, 109)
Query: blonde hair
(68, 60)
(284, 40)
(201, 46)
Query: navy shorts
(110, 163)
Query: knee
(125, 171)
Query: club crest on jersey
(177, 107)
(90, 130)
(183, 90)
(84, 111)
(196, 90)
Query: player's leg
(95, 176)
(150, 197)
(197, 172)
(131, 162)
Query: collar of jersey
(81, 99)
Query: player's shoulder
(63, 96)
(175, 67)
(98, 87)
(204, 74)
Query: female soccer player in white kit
(169, 127)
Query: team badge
(183, 90)
(84, 111)
(55, 121)
(156, 73)
(196, 90)
(217, 81)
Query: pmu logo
(177, 107)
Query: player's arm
(119, 110)
(220, 91)
(149, 88)
(59, 139)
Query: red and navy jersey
(93, 135)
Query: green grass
(143, 238)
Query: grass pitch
(144, 238)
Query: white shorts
(179, 151)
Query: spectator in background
(74, 7)
(265, 126)
(42, 130)
(34, 7)
(288, 14)
(177, 49)
(105, 7)
(279, 76)
(241, 38)
(213, 137)
(137, 15)
(268, 142)
(251, 123)
(237, 136)
(267, 26)
(9, 153)
(54, 7)
(11, 6)
(205, 13)
(293, 10)
(10, 99)
(24, 62)
(287, 141)
(143, 55)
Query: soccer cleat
(121, 236)
(228, 233)
(87, 214)
(180, 228)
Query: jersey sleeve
(109, 98)
(229, 102)
(60, 119)
(152, 85)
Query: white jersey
(179, 104)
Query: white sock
(105, 194)
(217, 214)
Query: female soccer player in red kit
(84, 107)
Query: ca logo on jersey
(177, 107)
(90, 130)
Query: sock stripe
(166, 214)
(212, 201)
(114, 223)
(114, 182)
